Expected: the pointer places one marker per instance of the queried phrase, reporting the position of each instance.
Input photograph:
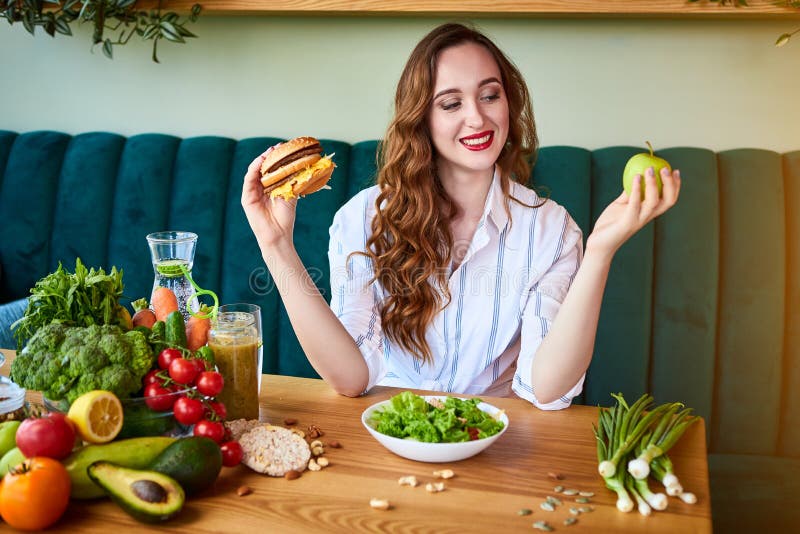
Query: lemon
(97, 416)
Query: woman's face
(468, 118)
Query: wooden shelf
(755, 8)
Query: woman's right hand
(272, 220)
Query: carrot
(197, 329)
(144, 317)
(164, 302)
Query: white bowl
(434, 452)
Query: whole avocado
(195, 462)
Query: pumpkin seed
(543, 525)
(582, 500)
(570, 521)
(574, 511)
(586, 494)
(554, 500)
(558, 489)
(547, 506)
(525, 511)
(570, 491)
(586, 509)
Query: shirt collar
(494, 207)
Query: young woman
(449, 274)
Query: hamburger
(295, 168)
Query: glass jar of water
(173, 257)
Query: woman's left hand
(628, 214)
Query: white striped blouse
(504, 296)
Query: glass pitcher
(172, 252)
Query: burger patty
(315, 149)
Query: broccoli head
(65, 362)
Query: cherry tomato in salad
(158, 398)
(166, 356)
(188, 411)
(210, 383)
(231, 453)
(182, 371)
(210, 429)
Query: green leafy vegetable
(410, 416)
(83, 298)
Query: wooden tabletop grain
(485, 495)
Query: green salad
(409, 416)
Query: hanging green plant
(105, 16)
(782, 38)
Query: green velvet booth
(700, 307)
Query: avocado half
(147, 496)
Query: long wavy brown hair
(411, 242)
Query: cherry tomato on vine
(188, 411)
(210, 429)
(210, 383)
(219, 409)
(231, 453)
(166, 356)
(151, 378)
(158, 398)
(182, 371)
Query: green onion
(668, 431)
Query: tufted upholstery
(700, 306)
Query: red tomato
(34, 495)
(219, 409)
(158, 398)
(210, 429)
(166, 356)
(210, 383)
(200, 364)
(151, 378)
(188, 411)
(231, 453)
(52, 436)
(182, 371)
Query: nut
(313, 465)
(556, 476)
(314, 431)
(434, 487)
(315, 443)
(244, 490)
(409, 480)
(323, 462)
(379, 504)
(334, 444)
(289, 421)
(317, 451)
(298, 432)
(444, 473)
(292, 474)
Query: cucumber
(176, 330)
(195, 462)
(135, 453)
(159, 331)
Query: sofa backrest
(700, 306)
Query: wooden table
(485, 495)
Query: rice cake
(274, 450)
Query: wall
(595, 81)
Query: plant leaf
(783, 39)
(170, 33)
(108, 50)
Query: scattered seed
(313, 465)
(556, 476)
(291, 474)
(554, 500)
(574, 511)
(334, 444)
(323, 462)
(317, 451)
(289, 421)
(558, 489)
(409, 480)
(586, 494)
(315, 443)
(434, 487)
(582, 500)
(570, 521)
(525, 511)
(570, 491)
(547, 506)
(379, 504)
(244, 490)
(444, 473)
(586, 509)
(543, 525)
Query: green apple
(8, 435)
(11, 459)
(638, 164)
